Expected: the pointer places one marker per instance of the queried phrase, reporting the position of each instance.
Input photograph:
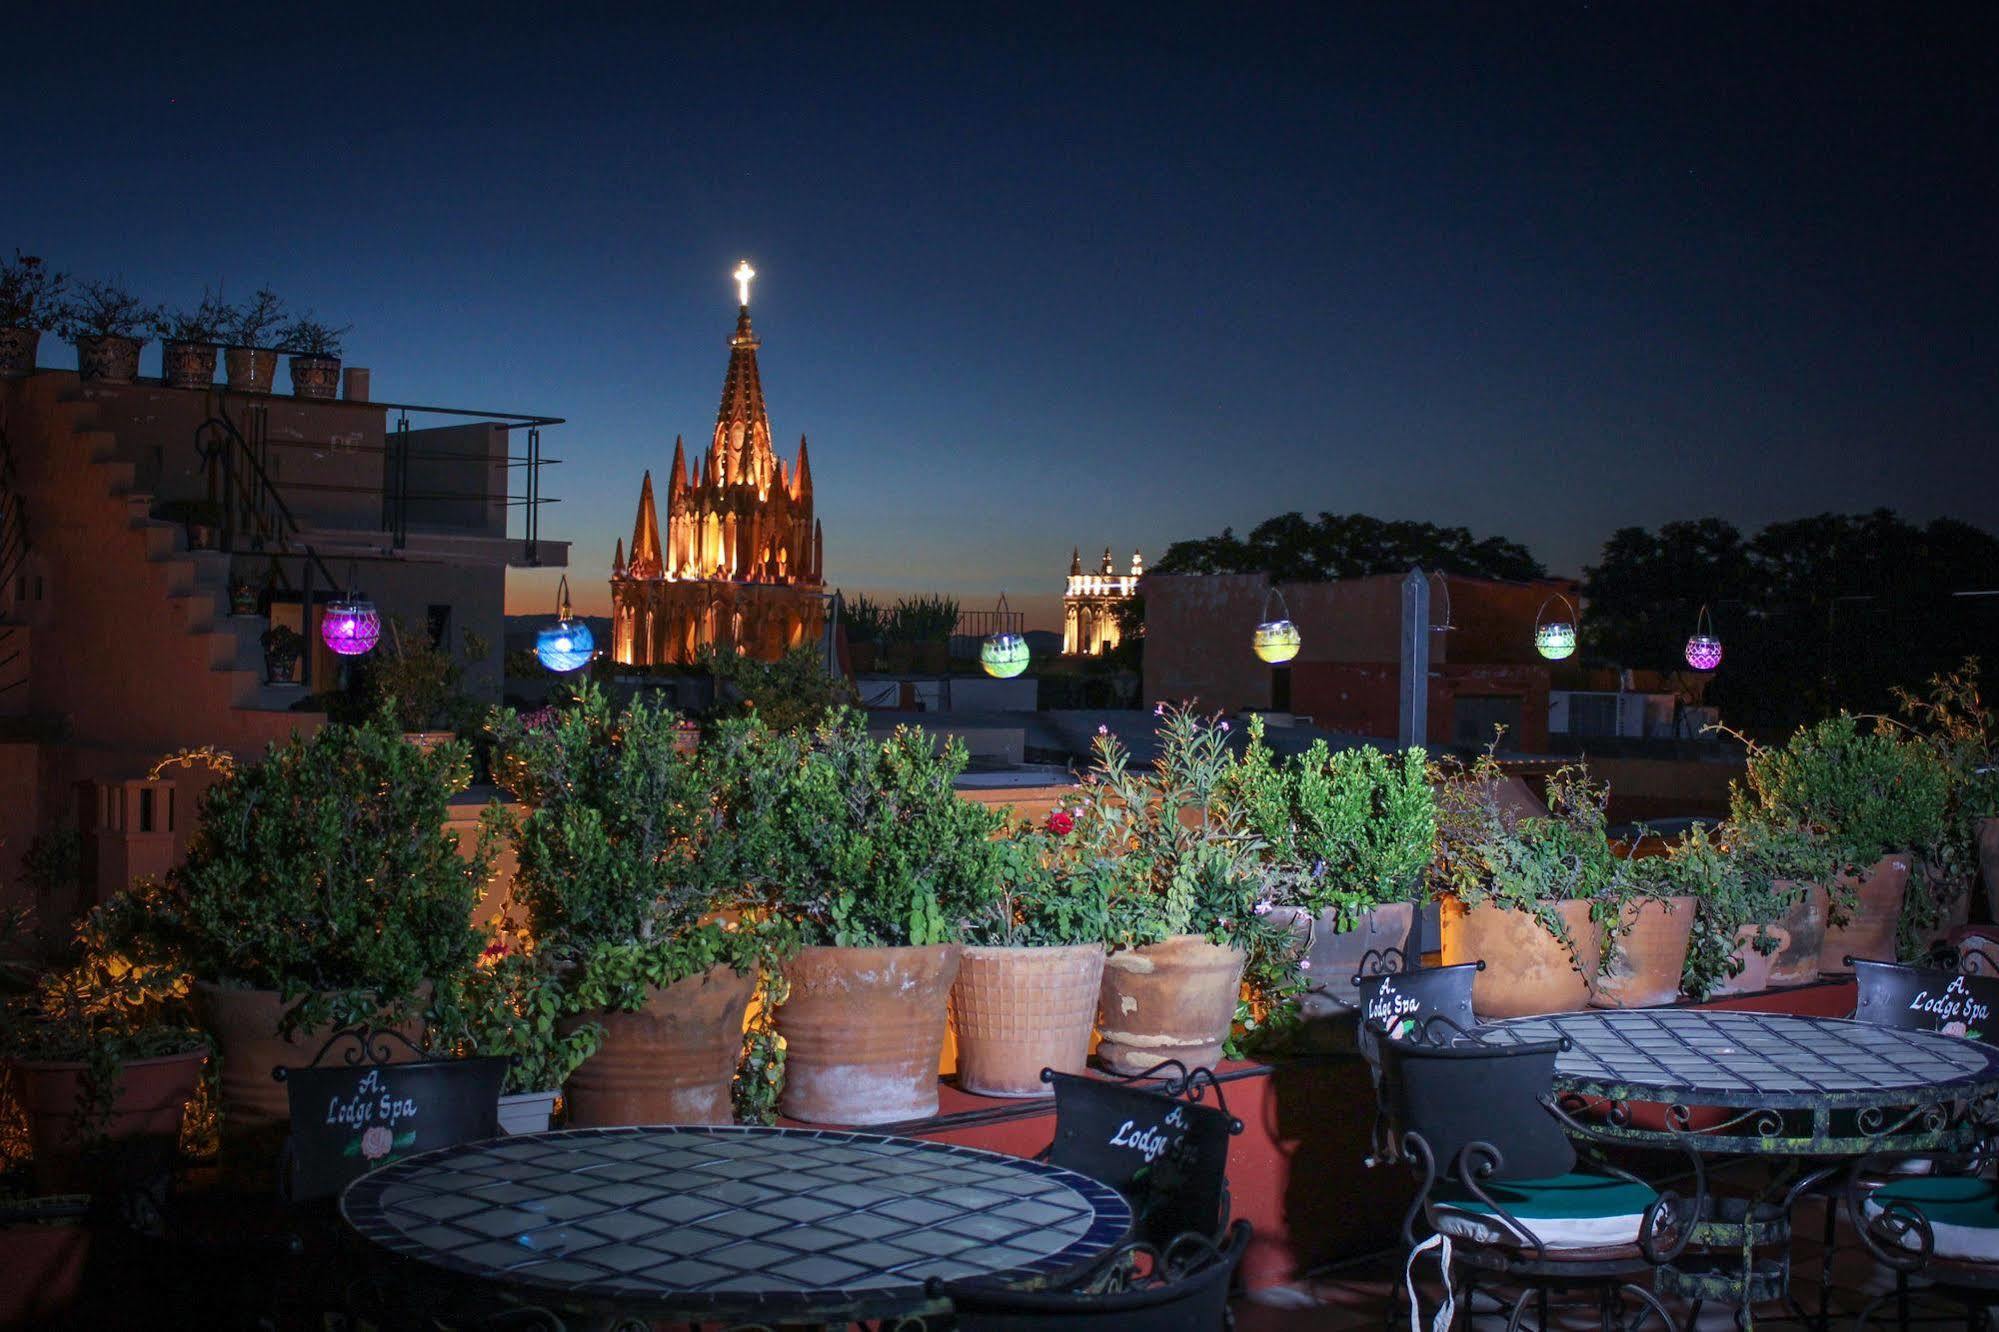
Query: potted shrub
(188, 340)
(314, 349)
(283, 646)
(864, 845)
(321, 889)
(510, 1005)
(1542, 899)
(99, 1055)
(1350, 835)
(866, 623)
(1033, 964)
(1953, 722)
(919, 634)
(31, 304)
(617, 895)
(1874, 798)
(104, 322)
(202, 518)
(1753, 928)
(422, 683)
(248, 361)
(1190, 899)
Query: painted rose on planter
(377, 1141)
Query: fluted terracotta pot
(250, 369)
(1175, 999)
(17, 352)
(1527, 969)
(187, 365)
(1755, 973)
(315, 376)
(863, 1031)
(1870, 934)
(1019, 1010)
(1327, 1005)
(671, 1062)
(1643, 965)
(1803, 927)
(151, 1096)
(111, 360)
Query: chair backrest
(1190, 1294)
(1451, 1095)
(1925, 999)
(350, 1117)
(1402, 1000)
(1166, 1156)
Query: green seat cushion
(1569, 1211)
(1962, 1210)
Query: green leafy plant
(1488, 855)
(1347, 831)
(419, 682)
(324, 872)
(1869, 792)
(865, 620)
(1732, 889)
(203, 323)
(511, 1005)
(31, 294)
(307, 336)
(106, 310)
(927, 619)
(1951, 721)
(1041, 893)
(255, 321)
(862, 842)
(793, 691)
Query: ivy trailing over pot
(325, 873)
(509, 1005)
(1733, 888)
(1951, 721)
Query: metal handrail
(292, 533)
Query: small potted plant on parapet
(100, 1053)
(314, 349)
(1190, 899)
(863, 844)
(919, 633)
(1033, 963)
(283, 647)
(1875, 799)
(31, 304)
(866, 624)
(321, 889)
(104, 322)
(188, 340)
(248, 360)
(1349, 836)
(202, 518)
(633, 927)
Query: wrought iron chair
(1940, 1224)
(1184, 1288)
(1177, 1182)
(1499, 1192)
(1399, 1002)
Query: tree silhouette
(1349, 545)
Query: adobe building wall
(1365, 698)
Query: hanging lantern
(350, 625)
(567, 645)
(1004, 654)
(1555, 639)
(1276, 641)
(1703, 649)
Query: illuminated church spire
(646, 562)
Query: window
(438, 618)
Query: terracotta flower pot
(1871, 931)
(250, 369)
(1645, 960)
(863, 1032)
(1755, 973)
(1803, 927)
(187, 365)
(1332, 959)
(669, 1063)
(1170, 1000)
(245, 1026)
(151, 1095)
(1527, 969)
(42, 1263)
(17, 352)
(1020, 1010)
(109, 360)
(315, 377)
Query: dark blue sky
(1055, 276)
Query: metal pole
(305, 624)
(1413, 728)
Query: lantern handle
(1704, 619)
(1556, 596)
(1437, 577)
(1272, 591)
(1002, 608)
(562, 599)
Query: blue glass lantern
(567, 645)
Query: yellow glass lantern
(1276, 641)
(1555, 639)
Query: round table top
(691, 1220)
(1694, 1056)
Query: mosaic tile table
(733, 1222)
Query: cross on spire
(743, 274)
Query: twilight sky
(1061, 276)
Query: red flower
(1060, 822)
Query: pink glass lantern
(350, 626)
(1703, 649)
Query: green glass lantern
(1003, 655)
(1555, 639)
